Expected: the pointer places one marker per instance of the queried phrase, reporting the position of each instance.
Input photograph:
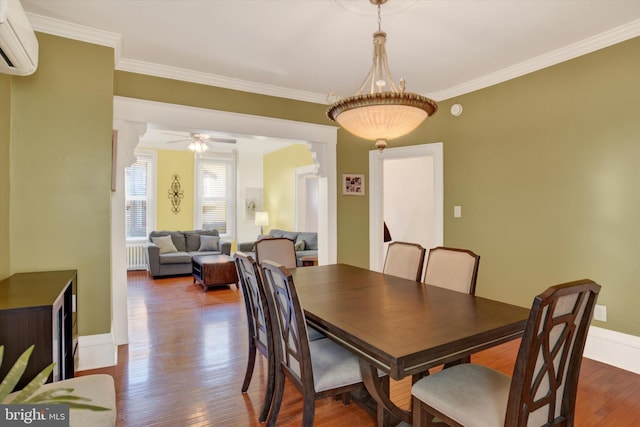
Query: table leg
(374, 386)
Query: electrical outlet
(600, 313)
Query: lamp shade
(262, 219)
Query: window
(139, 200)
(215, 190)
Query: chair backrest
(545, 377)
(278, 249)
(258, 319)
(292, 342)
(404, 260)
(452, 268)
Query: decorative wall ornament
(176, 194)
(253, 203)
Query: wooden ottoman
(214, 270)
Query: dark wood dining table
(400, 326)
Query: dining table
(400, 326)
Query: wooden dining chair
(258, 324)
(404, 260)
(542, 390)
(317, 368)
(452, 268)
(278, 249)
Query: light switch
(457, 211)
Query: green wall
(170, 163)
(279, 184)
(61, 121)
(544, 167)
(546, 170)
(5, 137)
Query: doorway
(307, 198)
(406, 193)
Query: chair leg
(268, 397)
(420, 416)
(278, 394)
(251, 361)
(346, 398)
(309, 409)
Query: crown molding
(79, 32)
(583, 47)
(91, 35)
(183, 74)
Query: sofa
(169, 253)
(306, 243)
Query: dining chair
(277, 249)
(317, 368)
(404, 260)
(259, 325)
(452, 268)
(542, 390)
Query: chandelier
(381, 114)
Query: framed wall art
(352, 184)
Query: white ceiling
(306, 49)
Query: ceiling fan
(199, 141)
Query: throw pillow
(299, 246)
(165, 244)
(208, 243)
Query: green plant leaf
(34, 385)
(15, 373)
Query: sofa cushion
(299, 245)
(310, 240)
(165, 243)
(175, 258)
(291, 235)
(193, 238)
(176, 236)
(208, 243)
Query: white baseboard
(96, 351)
(613, 348)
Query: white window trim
(231, 202)
(152, 194)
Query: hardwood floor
(186, 358)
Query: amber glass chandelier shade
(384, 115)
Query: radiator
(136, 258)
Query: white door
(406, 192)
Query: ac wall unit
(18, 42)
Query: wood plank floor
(186, 358)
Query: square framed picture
(352, 184)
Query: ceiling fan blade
(224, 140)
(177, 140)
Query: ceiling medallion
(381, 114)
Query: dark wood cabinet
(40, 308)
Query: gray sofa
(306, 243)
(174, 258)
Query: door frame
(376, 199)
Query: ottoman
(213, 270)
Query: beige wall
(5, 137)
(61, 120)
(279, 184)
(170, 163)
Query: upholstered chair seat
(542, 390)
